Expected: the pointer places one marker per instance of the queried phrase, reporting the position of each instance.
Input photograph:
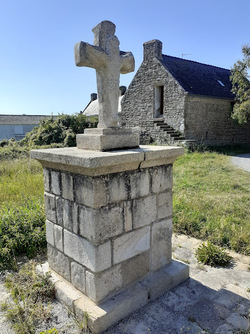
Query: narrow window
(159, 100)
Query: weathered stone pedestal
(109, 228)
(107, 139)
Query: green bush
(59, 131)
(22, 231)
(212, 255)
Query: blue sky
(37, 70)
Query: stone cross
(108, 62)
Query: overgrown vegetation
(22, 231)
(56, 131)
(61, 129)
(31, 294)
(212, 255)
(22, 216)
(212, 200)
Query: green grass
(212, 200)
(22, 216)
(20, 180)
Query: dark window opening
(159, 100)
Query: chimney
(122, 90)
(93, 97)
(152, 49)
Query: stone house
(173, 99)
(16, 126)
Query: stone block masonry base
(100, 317)
(109, 228)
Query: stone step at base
(100, 317)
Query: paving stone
(208, 314)
(227, 298)
(225, 329)
(237, 289)
(238, 321)
(211, 279)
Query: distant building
(16, 126)
(173, 99)
(92, 109)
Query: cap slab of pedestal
(107, 139)
(93, 163)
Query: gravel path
(242, 161)
(213, 300)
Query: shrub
(56, 131)
(60, 129)
(22, 232)
(212, 255)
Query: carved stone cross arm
(127, 62)
(90, 55)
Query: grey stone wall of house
(209, 121)
(139, 103)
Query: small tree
(241, 87)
